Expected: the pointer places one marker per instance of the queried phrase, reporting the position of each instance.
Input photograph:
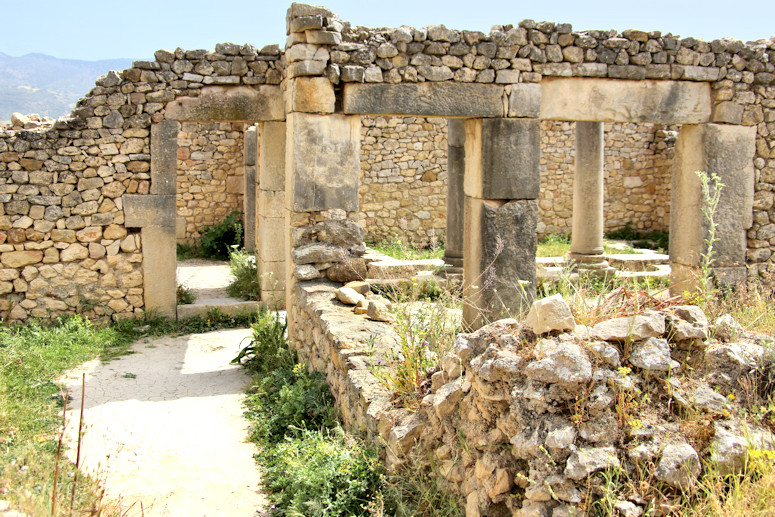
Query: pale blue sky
(92, 29)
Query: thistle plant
(711, 194)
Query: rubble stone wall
(211, 175)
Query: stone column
(587, 238)
(456, 137)
(501, 185)
(726, 151)
(272, 220)
(249, 197)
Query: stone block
(251, 145)
(149, 210)
(456, 132)
(235, 184)
(609, 100)
(499, 265)
(271, 203)
(180, 229)
(422, 99)
(322, 162)
(271, 170)
(164, 151)
(230, 104)
(502, 158)
(728, 152)
(728, 112)
(305, 68)
(311, 95)
(159, 262)
(524, 100)
(249, 206)
(271, 239)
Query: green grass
(400, 250)
(32, 356)
(555, 245)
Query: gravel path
(165, 430)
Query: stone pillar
(587, 238)
(249, 198)
(728, 152)
(272, 221)
(456, 137)
(501, 185)
(322, 164)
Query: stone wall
(211, 175)
(638, 170)
(519, 424)
(403, 189)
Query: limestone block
(524, 100)
(322, 161)
(232, 104)
(270, 239)
(441, 100)
(311, 95)
(159, 262)
(164, 150)
(235, 184)
(549, 314)
(148, 210)
(727, 151)
(609, 100)
(502, 158)
(251, 146)
(271, 203)
(499, 263)
(728, 112)
(271, 170)
(20, 258)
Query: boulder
(679, 465)
(587, 460)
(349, 296)
(652, 354)
(632, 328)
(566, 364)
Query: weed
(184, 295)
(217, 240)
(245, 272)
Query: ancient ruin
(305, 139)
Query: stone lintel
(229, 104)
(425, 99)
(159, 262)
(613, 100)
(141, 211)
(502, 158)
(322, 158)
(164, 157)
(728, 152)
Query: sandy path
(165, 428)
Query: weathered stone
(74, 252)
(306, 272)
(550, 314)
(312, 95)
(18, 259)
(725, 328)
(447, 99)
(729, 451)
(233, 104)
(587, 460)
(447, 398)
(349, 296)
(652, 355)
(316, 253)
(352, 269)
(148, 210)
(502, 158)
(606, 100)
(378, 311)
(565, 363)
(634, 328)
(679, 465)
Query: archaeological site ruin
(346, 134)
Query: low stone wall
(211, 175)
(403, 188)
(520, 424)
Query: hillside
(37, 83)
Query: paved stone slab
(165, 428)
(609, 100)
(437, 100)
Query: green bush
(218, 240)
(245, 272)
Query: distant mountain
(37, 83)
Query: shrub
(219, 239)
(245, 271)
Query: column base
(595, 265)
(453, 265)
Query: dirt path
(165, 428)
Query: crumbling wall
(211, 175)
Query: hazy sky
(92, 29)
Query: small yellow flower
(731, 397)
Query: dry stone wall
(403, 189)
(211, 175)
